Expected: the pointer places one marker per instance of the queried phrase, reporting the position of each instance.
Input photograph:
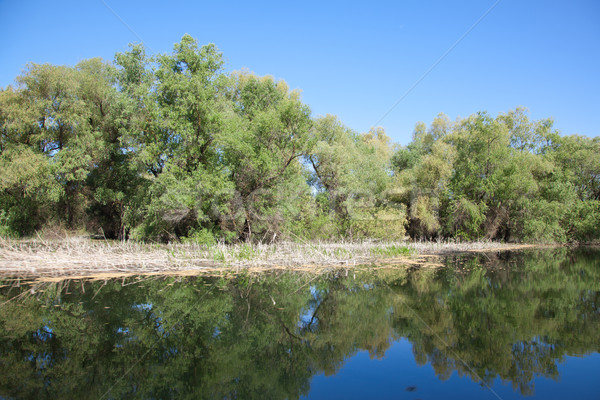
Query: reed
(82, 256)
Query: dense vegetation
(172, 146)
(508, 316)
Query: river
(500, 325)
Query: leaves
(506, 178)
(160, 147)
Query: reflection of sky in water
(307, 312)
(519, 328)
(143, 307)
(398, 376)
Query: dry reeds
(80, 256)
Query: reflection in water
(513, 316)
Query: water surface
(505, 325)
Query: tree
(267, 133)
(114, 180)
(185, 113)
(353, 172)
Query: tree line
(172, 147)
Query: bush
(543, 222)
(385, 223)
(202, 237)
(5, 229)
(584, 221)
(466, 219)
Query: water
(506, 325)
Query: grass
(80, 256)
(392, 251)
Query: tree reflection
(514, 316)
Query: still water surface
(495, 326)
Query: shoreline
(84, 258)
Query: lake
(490, 326)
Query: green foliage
(466, 219)
(352, 174)
(6, 230)
(584, 220)
(27, 189)
(202, 237)
(545, 222)
(392, 251)
(385, 223)
(421, 184)
(165, 147)
(218, 256)
(262, 143)
(246, 251)
(506, 178)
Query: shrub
(5, 229)
(203, 237)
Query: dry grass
(83, 257)
(446, 247)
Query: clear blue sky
(351, 59)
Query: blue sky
(351, 59)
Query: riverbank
(79, 257)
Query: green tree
(176, 141)
(264, 139)
(353, 175)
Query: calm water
(506, 326)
